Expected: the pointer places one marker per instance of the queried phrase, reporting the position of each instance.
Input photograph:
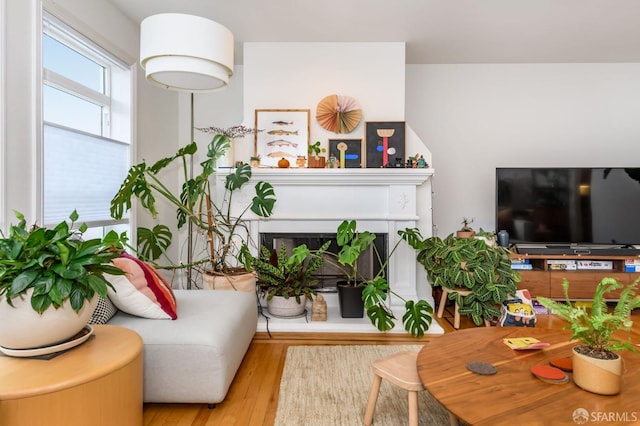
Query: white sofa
(194, 358)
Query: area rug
(329, 386)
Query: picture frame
(353, 154)
(378, 133)
(283, 133)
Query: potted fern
(597, 367)
(49, 281)
(468, 264)
(286, 280)
(223, 237)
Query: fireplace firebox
(329, 274)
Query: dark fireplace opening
(328, 275)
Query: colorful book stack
(521, 263)
(632, 265)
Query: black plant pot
(350, 300)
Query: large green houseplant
(224, 237)
(51, 269)
(594, 328)
(284, 276)
(472, 264)
(375, 291)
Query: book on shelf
(595, 264)
(632, 265)
(519, 260)
(562, 265)
(524, 266)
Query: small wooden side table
(98, 383)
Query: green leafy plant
(352, 243)
(281, 274)
(315, 149)
(56, 263)
(472, 264)
(224, 231)
(595, 326)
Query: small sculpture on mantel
(319, 309)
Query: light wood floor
(253, 396)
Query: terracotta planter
(280, 307)
(601, 376)
(465, 234)
(24, 328)
(244, 281)
(316, 162)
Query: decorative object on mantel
(283, 163)
(338, 113)
(254, 161)
(50, 280)
(385, 143)
(316, 160)
(286, 134)
(301, 161)
(319, 309)
(351, 153)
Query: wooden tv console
(543, 281)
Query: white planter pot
(281, 307)
(601, 376)
(24, 328)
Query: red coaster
(564, 364)
(546, 372)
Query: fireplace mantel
(343, 177)
(382, 201)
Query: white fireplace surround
(382, 201)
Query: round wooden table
(98, 383)
(513, 395)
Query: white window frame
(116, 70)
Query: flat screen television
(548, 207)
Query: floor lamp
(186, 53)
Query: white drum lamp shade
(186, 52)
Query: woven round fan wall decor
(338, 113)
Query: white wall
(475, 118)
(299, 75)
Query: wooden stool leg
(456, 316)
(413, 408)
(453, 420)
(443, 302)
(373, 397)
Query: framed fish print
(347, 151)
(283, 133)
(385, 143)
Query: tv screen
(569, 205)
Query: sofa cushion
(105, 310)
(194, 359)
(142, 291)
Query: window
(86, 97)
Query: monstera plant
(223, 234)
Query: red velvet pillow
(142, 291)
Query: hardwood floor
(253, 395)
